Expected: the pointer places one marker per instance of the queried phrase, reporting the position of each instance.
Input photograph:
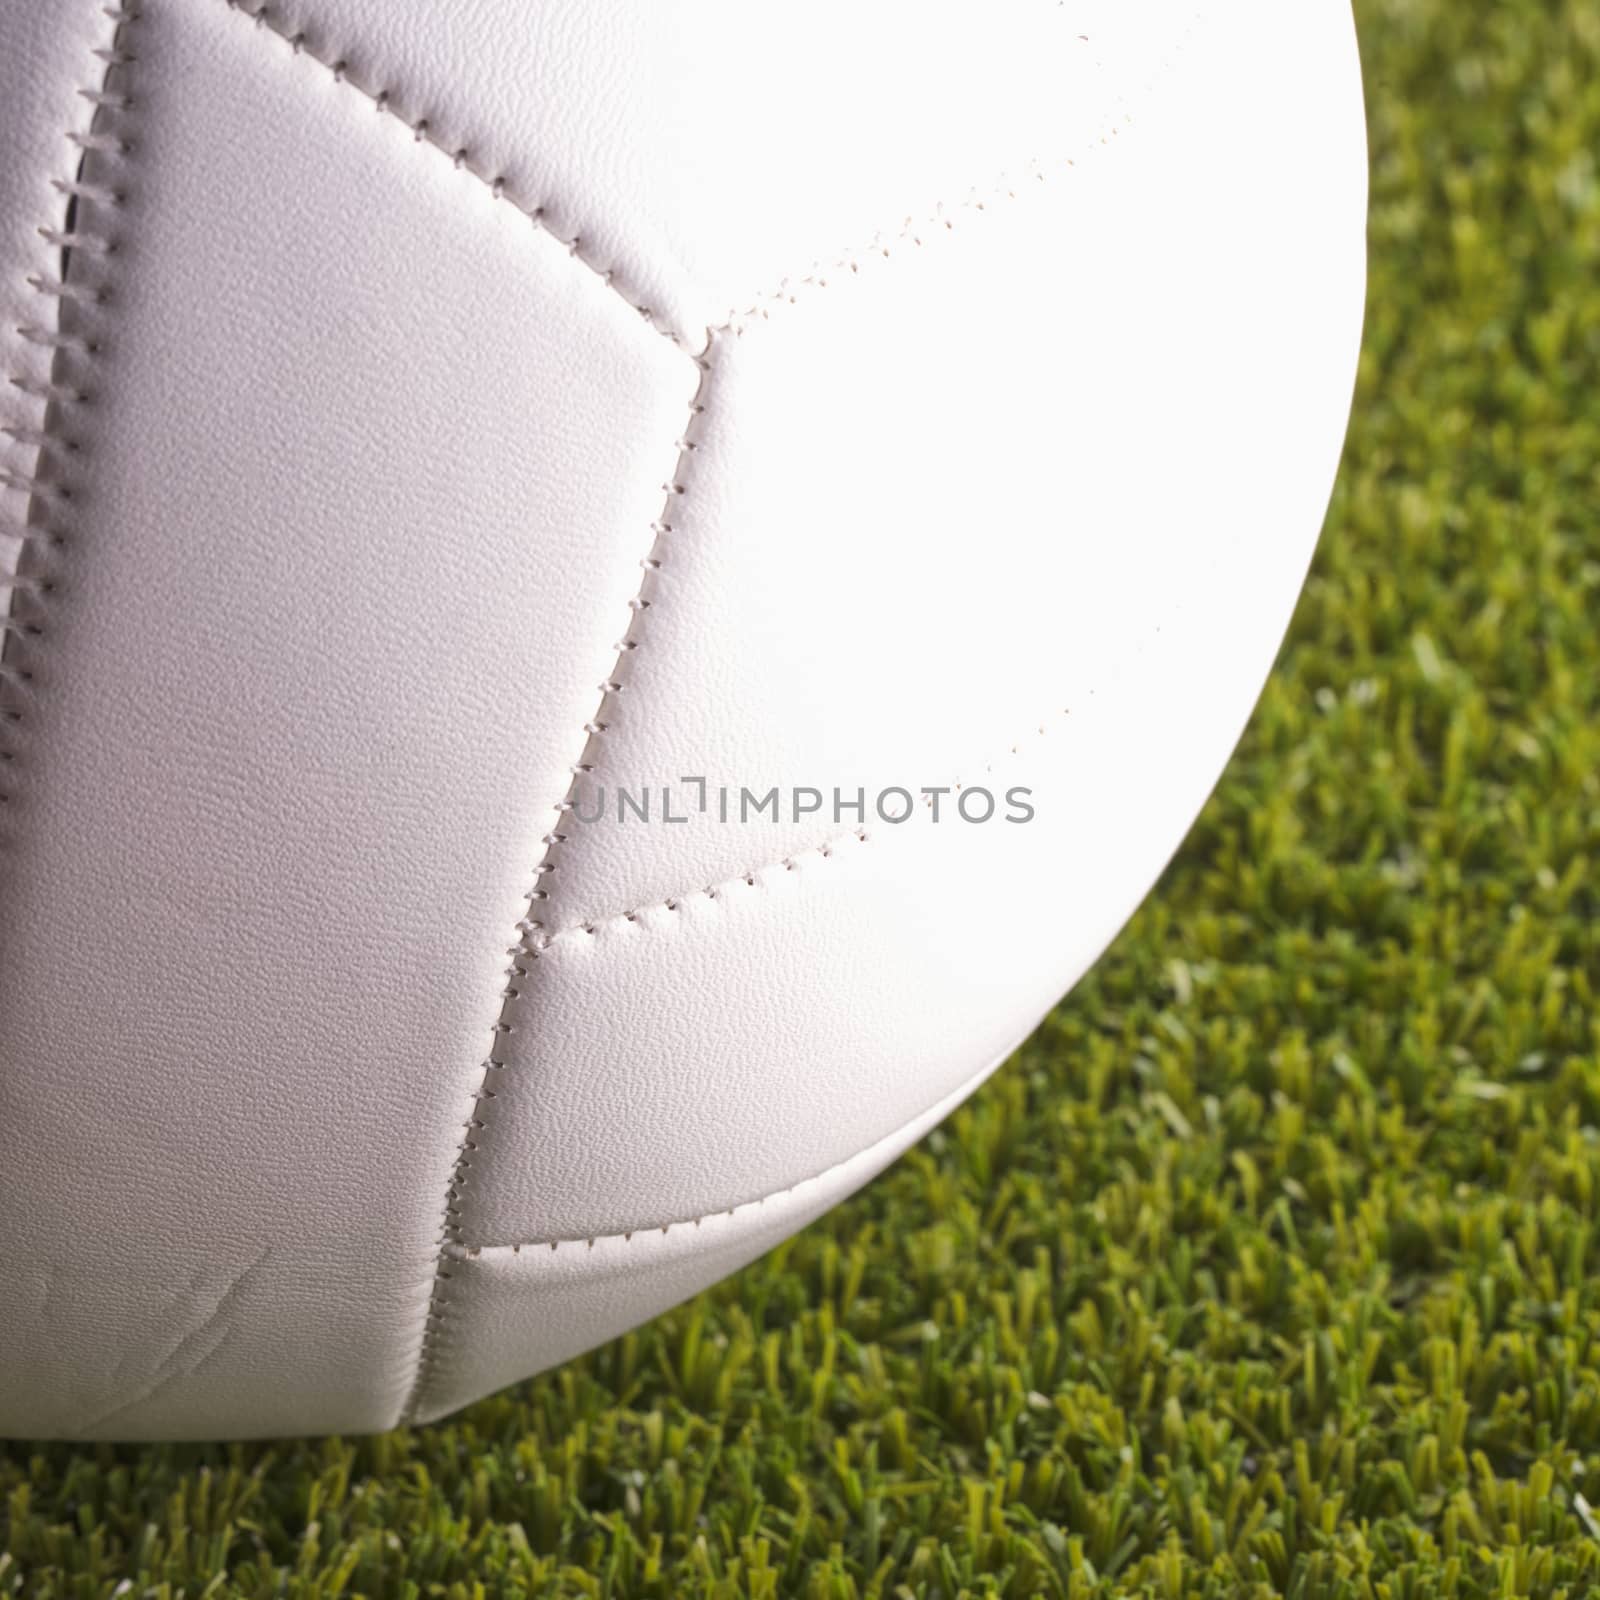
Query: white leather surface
(923, 575)
(41, 71)
(369, 473)
(706, 153)
(521, 1308)
(45, 63)
(373, 461)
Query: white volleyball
(604, 605)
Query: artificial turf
(1270, 1266)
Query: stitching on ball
(456, 1247)
(461, 1251)
(530, 928)
(532, 936)
(535, 941)
(82, 235)
(752, 877)
(917, 232)
(911, 231)
(265, 16)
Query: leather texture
(617, 1281)
(41, 110)
(489, 398)
(703, 154)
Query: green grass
(1272, 1266)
